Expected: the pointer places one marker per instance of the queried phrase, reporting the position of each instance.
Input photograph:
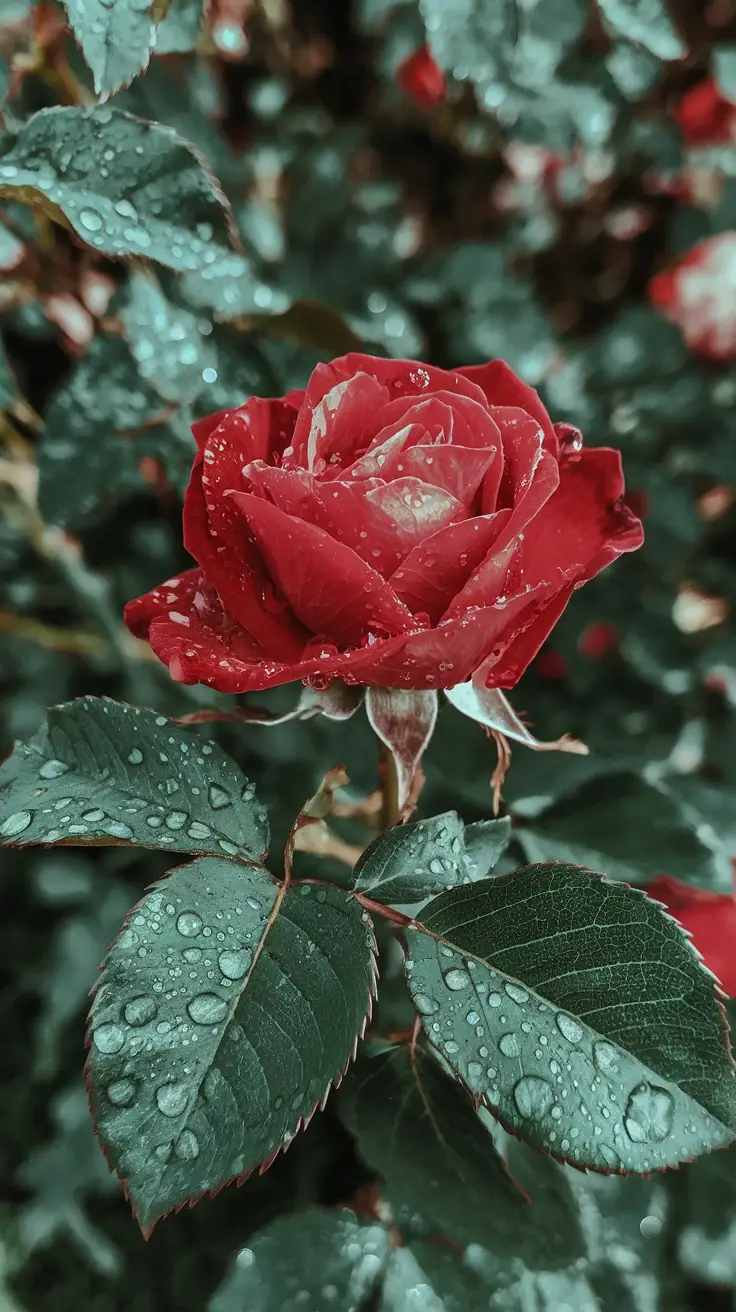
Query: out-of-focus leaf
(330, 1258)
(102, 772)
(8, 385)
(173, 354)
(633, 830)
(645, 22)
(126, 187)
(116, 39)
(194, 1086)
(579, 986)
(724, 70)
(180, 29)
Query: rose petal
(404, 721)
(399, 377)
(504, 670)
(435, 571)
(457, 470)
(418, 509)
(501, 386)
(329, 588)
(219, 541)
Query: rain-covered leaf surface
(222, 1016)
(311, 1261)
(632, 830)
(116, 39)
(127, 187)
(103, 772)
(170, 344)
(419, 1130)
(645, 22)
(105, 394)
(580, 987)
(230, 286)
(410, 862)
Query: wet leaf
(105, 393)
(102, 772)
(224, 1013)
(173, 353)
(633, 830)
(116, 39)
(231, 286)
(603, 1036)
(126, 186)
(646, 23)
(331, 1258)
(410, 862)
(416, 1127)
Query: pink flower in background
(699, 295)
(395, 525)
(422, 80)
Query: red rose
(598, 640)
(705, 117)
(699, 293)
(421, 78)
(396, 525)
(710, 918)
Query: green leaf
(646, 23)
(602, 1041)
(179, 31)
(223, 1015)
(103, 772)
(470, 38)
(173, 353)
(724, 70)
(419, 1131)
(410, 862)
(127, 187)
(105, 393)
(231, 286)
(435, 1275)
(331, 1258)
(633, 830)
(116, 39)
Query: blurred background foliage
(523, 215)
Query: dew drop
(135, 756)
(15, 824)
(90, 220)
(494, 999)
(233, 963)
(192, 955)
(218, 797)
(176, 820)
(606, 1058)
(509, 1045)
(457, 979)
(189, 924)
(472, 1018)
(207, 1009)
(139, 1011)
(121, 1092)
(451, 1047)
(230, 848)
(187, 1146)
(53, 769)
(517, 994)
(533, 1096)
(172, 1099)
(425, 1005)
(108, 1038)
(649, 1114)
(475, 1073)
(569, 1028)
(198, 830)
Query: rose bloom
(395, 525)
(705, 117)
(421, 79)
(699, 295)
(710, 919)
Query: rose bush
(394, 525)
